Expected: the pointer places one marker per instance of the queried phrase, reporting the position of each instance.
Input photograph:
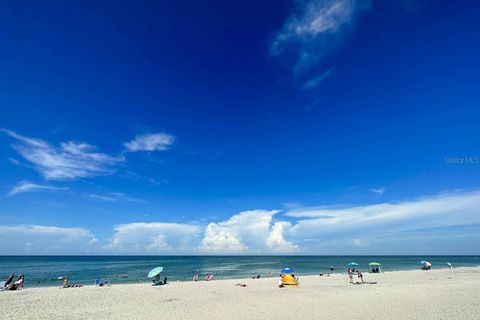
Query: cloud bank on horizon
(421, 222)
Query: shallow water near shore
(45, 270)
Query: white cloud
(384, 222)
(150, 142)
(154, 237)
(247, 232)
(102, 198)
(314, 30)
(315, 82)
(37, 239)
(442, 224)
(114, 197)
(70, 161)
(26, 186)
(379, 191)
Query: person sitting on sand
(280, 282)
(18, 284)
(210, 277)
(195, 277)
(157, 281)
(9, 280)
(67, 285)
(449, 265)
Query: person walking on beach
(332, 269)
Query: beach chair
(289, 281)
(101, 283)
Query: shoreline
(147, 281)
(433, 294)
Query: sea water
(45, 270)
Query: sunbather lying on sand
(67, 285)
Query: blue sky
(243, 127)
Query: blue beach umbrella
(287, 270)
(155, 272)
(353, 264)
(425, 263)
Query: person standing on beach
(332, 269)
(350, 274)
(360, 275)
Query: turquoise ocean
(45, 270)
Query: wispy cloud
(114, 197)
(379, 191)
(69, 161)
(150, 142)
(315, 81)
(314, 30)
(386, 221)
(26, 186)
(102, 198)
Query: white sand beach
(434, 294)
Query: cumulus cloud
(314, 30)
(248, 232)
(26, 186)
(37, 239)
(69, 161)
(441, 224)
(150, 142)
(154, 238)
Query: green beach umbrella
(374, 264)
(155, 272)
